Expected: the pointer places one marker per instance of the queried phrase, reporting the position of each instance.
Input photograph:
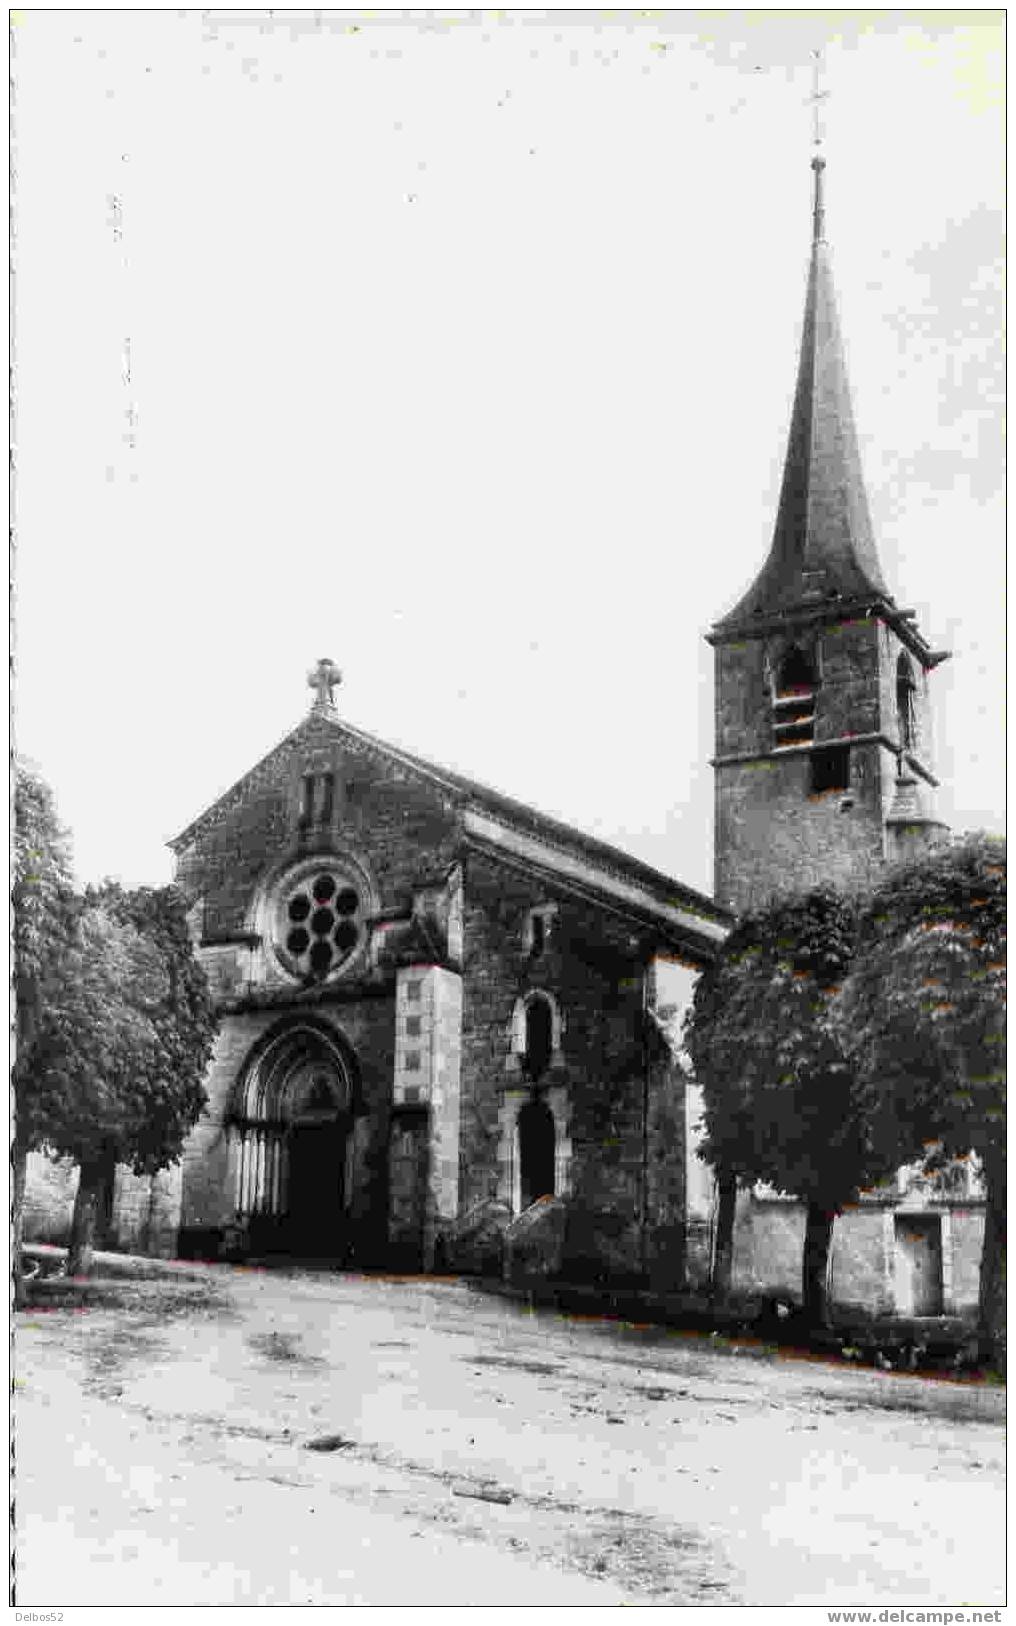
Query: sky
(460, 348)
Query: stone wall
(397, 831)
(891, 647)
(966, 1242)
(773, 835)
(848, 700)
(427, 1075)
(367, 1028)
(769, 1239)
(50, 1188)
(771, 831)
(397, 826)
(666, 1197)
(851, 693)
(768, 1242)
(861, 1263)
(146, 1212)
(592, 967)
(445, 1100)
(208, 1202)
(146, 1208)
(408, 1158)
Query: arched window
(539, 1036)
(794, 699)
(796, 674)
(536, 1026)
(906, 711)
(537, 1144)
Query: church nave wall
(590, 963)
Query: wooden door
(919, 1264)
(317, 1170)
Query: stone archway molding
(263, 1092)
(299, 1080)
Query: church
(436, 1003)
(439, 1029)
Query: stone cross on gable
(324, 679)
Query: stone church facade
(438, 1005)
(437, 1008)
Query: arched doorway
(537, 1145)
(292, 1118)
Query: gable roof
(554, 836)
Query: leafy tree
(117, 1022)
(778, 1101)
(922, 1019)
(171, 1096)
(43, 897)
(45, 911)
(137, 1043)
(95, 1046)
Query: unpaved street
(255, 1437)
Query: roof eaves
(688, 915)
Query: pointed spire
(818, 203)
(823, 547)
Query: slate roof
(470, 793)
(823, 547)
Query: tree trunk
(723, 1255)
(104, 1218)
(818, 1235)
(89, 1207)
(991, 1307)
(19, 1170)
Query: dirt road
(263, 1438)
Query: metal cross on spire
(818, 95)
(324, 679)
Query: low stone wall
(146, 1208)
(967, 1242)
(534, 1242)
(769, 1240)
(146, 1212)
(50, 1188)
(768, 1246)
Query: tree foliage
(123, 1042)
(922, 1014)
(836, 1040)
(93, 1034)
(764, 1047)
(164, 1095)
(777, 1096)
(922, 1019)
(45, 912)
(115, 1019)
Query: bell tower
(822, 723)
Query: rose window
(319, 922)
